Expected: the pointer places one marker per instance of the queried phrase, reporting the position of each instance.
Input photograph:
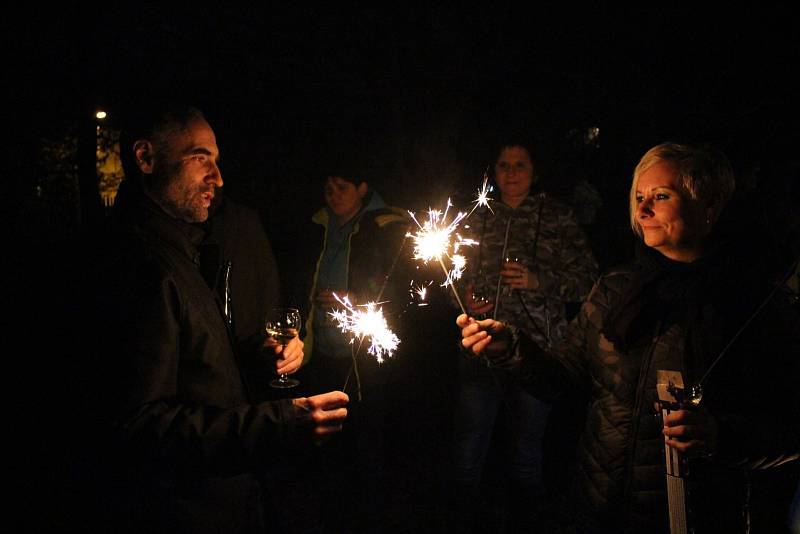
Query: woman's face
(671, 221)
(343, 197)
(514, 173)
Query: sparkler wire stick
(354, 368)
(500, 278)
(744, 326)
(452, 285)
(354, 354)
(391, 269)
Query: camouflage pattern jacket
(542, 234)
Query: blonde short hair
(704, 174)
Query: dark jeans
(483, 394)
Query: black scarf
(712, 298)
(661, 290)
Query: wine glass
(506, 288)
(283, 325)
(481, 293)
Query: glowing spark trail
(368, 323)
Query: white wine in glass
(283, 325)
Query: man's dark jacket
(184, 437)
(237, 261)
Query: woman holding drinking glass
(694, 301)
(531, 259)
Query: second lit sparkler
(368, 322)
(437, 239)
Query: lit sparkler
(437, 239)
(369, 323)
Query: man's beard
(188, 201)
(181, 198)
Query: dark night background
(412, 98)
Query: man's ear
(144, 154)
(362, 189)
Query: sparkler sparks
(483, 196)
(419, 293)
(369, 323)
(422, 292)
(435, 240)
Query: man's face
(187, 165)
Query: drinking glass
(506, 289)
(283, 325)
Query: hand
(289, 358)
(479, 336)
(691, 432)
(518, 276)
(476, 307)
(325, 412)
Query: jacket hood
(373, 202)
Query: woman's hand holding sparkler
(487, 336)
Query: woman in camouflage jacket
(531, 259)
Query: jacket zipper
(643, 372)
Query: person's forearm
(213, 440)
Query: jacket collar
(138, 210)
(373, 202)
(532, 199)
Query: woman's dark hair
(355, 179)
(516, 140)
(344, 165)
(513, 139)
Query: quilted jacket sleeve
(757, 401)
(567, 367)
